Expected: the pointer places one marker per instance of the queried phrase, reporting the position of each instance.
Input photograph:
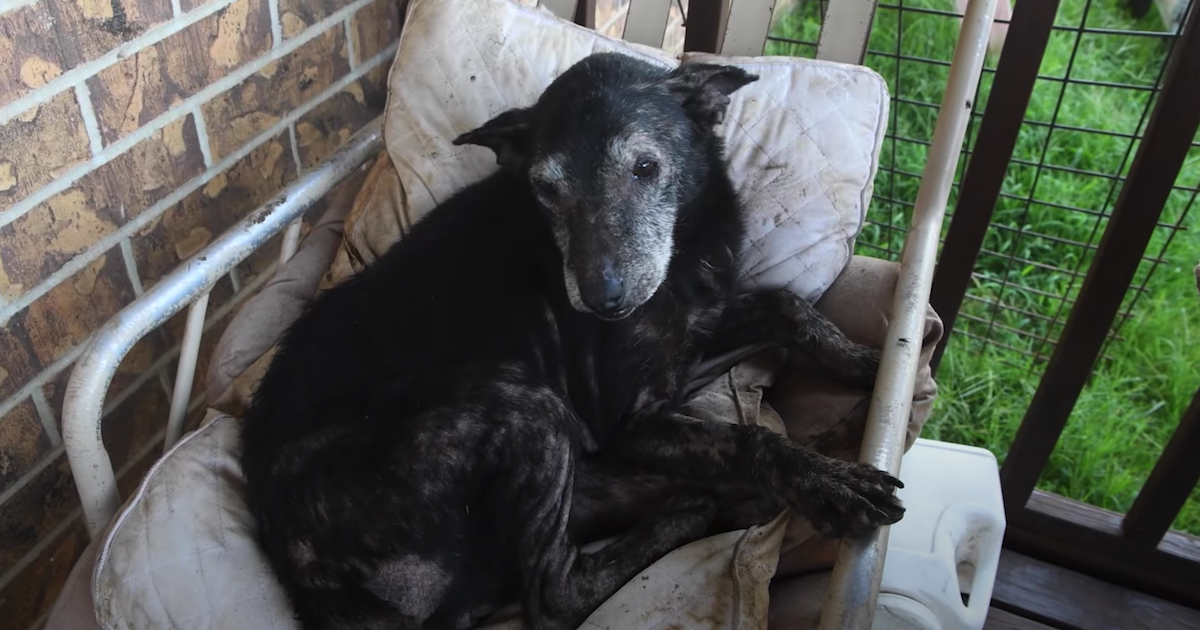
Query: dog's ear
(704, 88)
(507, 135)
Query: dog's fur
(439, 433)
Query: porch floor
(1034, 595)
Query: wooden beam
(706, 21)
(998, 619)
(1088, 539)
(1170, 483)
(1049, 594)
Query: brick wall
(131, 133)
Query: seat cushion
(802, 141)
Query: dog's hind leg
(781, 317)
(562, 583)
(838, 497)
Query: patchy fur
(440, 433)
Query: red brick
(32, 592)
(39, 145)
(39, 242)
(297, 15)
(40, 41)
(324, 128)
(23, 442)
(187, 227)
(375, 27)
(143, 86)
(266, 97)
(35, 509)
(69, 313)
(134, 423)
(19, 364)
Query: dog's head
(613, 150)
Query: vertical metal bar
(854, 585)
(846, 31)
(1016, 75)
(585, 14)
(746, 31)
(1170, 483)
(705, 25)
(291, 240)
(1159, 159)
(185, 372)
(647, 22)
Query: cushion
(802, 145)
(182, 553)
(803, 141)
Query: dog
(438, 433)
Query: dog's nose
(605, 297)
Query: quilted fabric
(802, 141)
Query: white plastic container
(942, 556)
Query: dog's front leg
(838, 497)
(781, 317)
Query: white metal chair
(857, 574)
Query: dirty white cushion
(182, 554)
(803, 141)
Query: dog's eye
(644, 169)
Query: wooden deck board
(1060, 598)
(998, 619)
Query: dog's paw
(851, 499)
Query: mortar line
(42, 378)
(68, 521)
(351, 46)
(69, 357)
(131, 269)
(202, 135)
(88, 69)
(32, 473)
(36, 550)
(46, 413)
(295, 147)
(276, 23)
(83, 96)
(164, 381)
(210, 91)
(82, 260)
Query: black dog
(435, 431)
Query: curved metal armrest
(189, 283)
(854, 588)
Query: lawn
(1045, 229)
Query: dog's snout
(606, 294)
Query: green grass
(1146, 378)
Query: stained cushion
(802, 141)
